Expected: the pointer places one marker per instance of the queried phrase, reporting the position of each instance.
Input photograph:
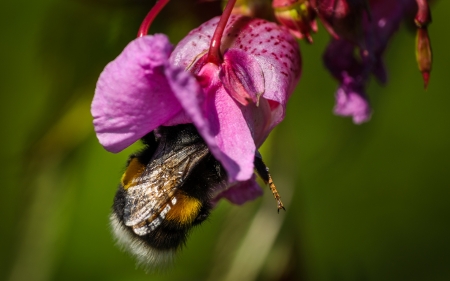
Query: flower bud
(298, 16)
(251, 8)
(424, 54)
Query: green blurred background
(368, 202)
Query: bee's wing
(148, 200)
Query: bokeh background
(367, 202)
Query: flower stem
(145, 25)
(214, 55)
(423, 16)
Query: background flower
(354, 57)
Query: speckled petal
(133, 96)
(272, 47)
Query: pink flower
(234, 105)
(354, 71)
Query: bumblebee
(166, 190)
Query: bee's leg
(263, 172)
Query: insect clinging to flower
(202, 111)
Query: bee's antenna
(263, 172)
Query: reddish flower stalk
(423, 17)
(145, 25)
(214, 55)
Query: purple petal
(259, 120)
(340, 57)
(242, 76)
(191, 97)
(379, 71)
(227, 127)
(386, 16)
(218, 119)
(241, 192)
(133, 96)
(232, 135)
(351, 101)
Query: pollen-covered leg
(263, 172)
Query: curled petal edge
(133, 96)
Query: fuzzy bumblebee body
(164, 192)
